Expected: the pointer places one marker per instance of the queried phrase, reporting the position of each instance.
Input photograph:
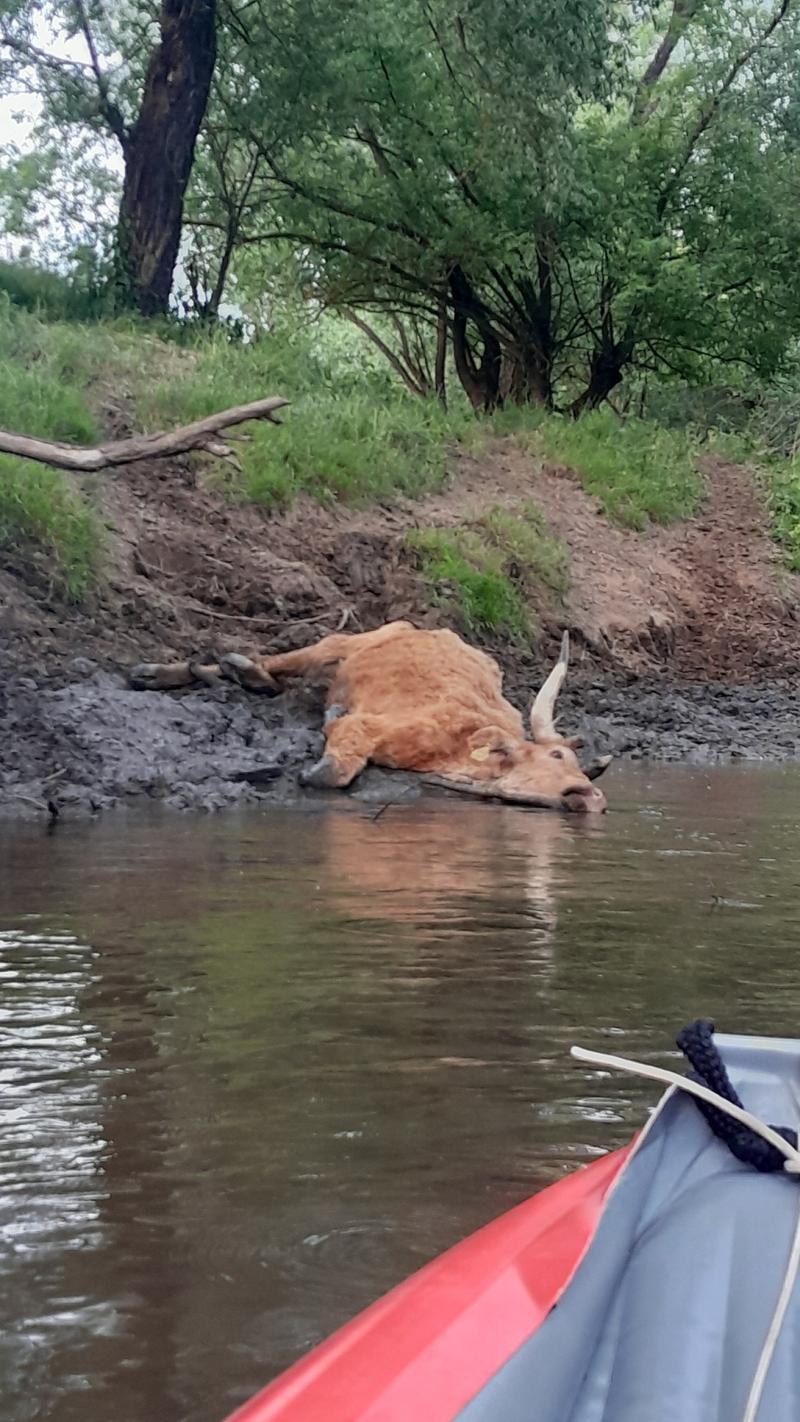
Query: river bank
(686, 638)
(85, 742)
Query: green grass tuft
(344, 437)
(523, 538)
(782, 484)
(465, 573)
(41, 379)
(640, 472)
(37, 506)
(490, 573)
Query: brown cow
(420, 701)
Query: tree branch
(29, 52)
(199, 435)
(683, 12)
(111, 113)
(394, 360)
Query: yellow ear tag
(480, 753)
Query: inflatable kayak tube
(657, 1283)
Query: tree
(145, 83)
(592, 191)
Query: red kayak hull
(428, 1347)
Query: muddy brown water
(257, 1068)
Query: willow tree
(582, 189)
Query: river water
(258, 1068)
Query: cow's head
(543, 772)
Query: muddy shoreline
(685, 640)
(84, 742)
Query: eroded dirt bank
(686, 640)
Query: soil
(686, 640)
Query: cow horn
(482, 791)
(542, 723)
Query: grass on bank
(782, 485)
(640, 472)
(491, 573)
(41, 394)
(350, 433)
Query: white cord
(791, 1163)
(773, 1332)
(789, 1152)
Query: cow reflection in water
(458, 870)
(422, 701)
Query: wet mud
(85, 742)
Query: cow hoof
(325, 775)
(235, 666)
(145, 677)
(243, 670)
(334, 713)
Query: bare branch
(394, 360)
(199, 435)
(71, 71)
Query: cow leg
(327, 654)
(349, 743)
(168, 676)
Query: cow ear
(574, 742)
(492, 744)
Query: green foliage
(50, 294)
(639, 472)
(491, 572)
(521, 160)
(515, 159)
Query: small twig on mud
(220, 562)
(390, 803)
(262, 623)
(55, 775)
(229, 616)
(148, 569)
(48, 805)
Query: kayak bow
(671, 1262)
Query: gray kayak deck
(667, 1315)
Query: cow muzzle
(584, 799)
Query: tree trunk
(605, 373)
(527, 378)
(159, 151)
(439, 370)
(528, 364)
(480, 379)
(608, 360)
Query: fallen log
(199, 435)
